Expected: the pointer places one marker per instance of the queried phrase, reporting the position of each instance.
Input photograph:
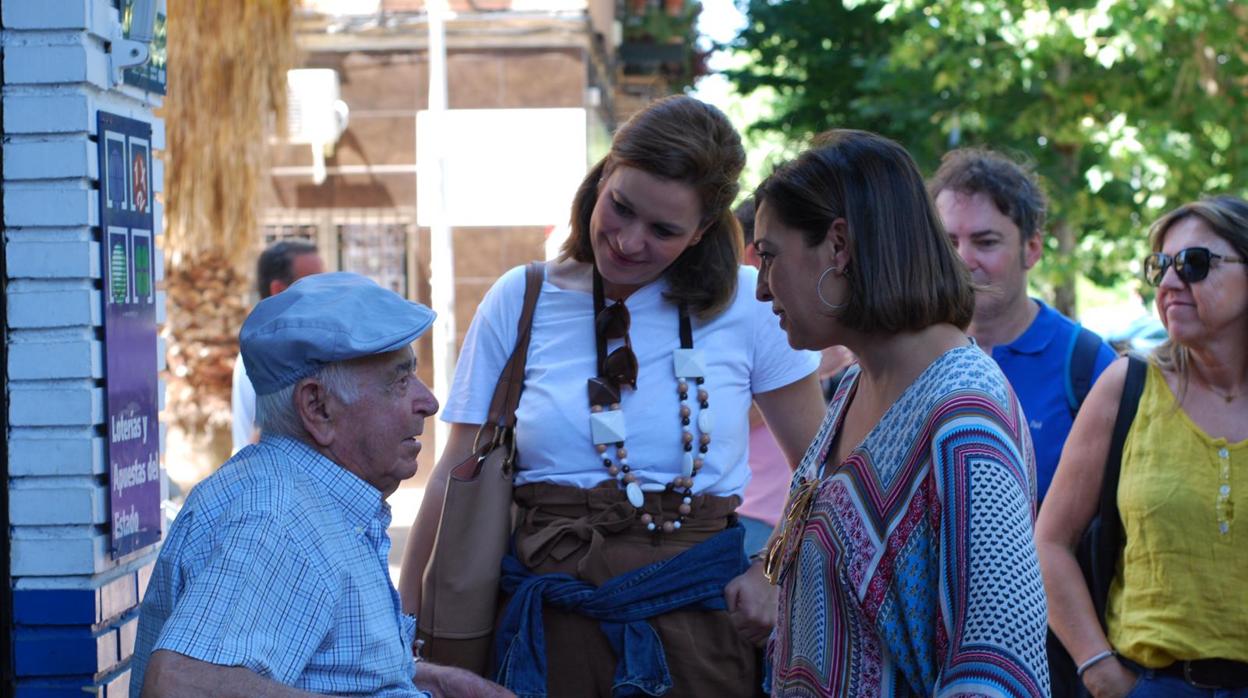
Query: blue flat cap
(321, 319)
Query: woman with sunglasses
(906, 565)
(1177, 612)
(647, 349)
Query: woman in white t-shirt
(632, 430)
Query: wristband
(1093, 660)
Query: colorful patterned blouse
(915, 572)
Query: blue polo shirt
(1037, 366)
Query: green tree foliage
(1127, 108)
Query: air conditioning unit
(315, 115)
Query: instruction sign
(127, 253)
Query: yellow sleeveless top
(1181, 591)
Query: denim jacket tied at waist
(692, 580)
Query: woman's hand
(1109, 679)
(752, 604)
(450, 682)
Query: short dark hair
(276, 263)
(679, 139)
(903, 273)
(745, 218)
(1011, 185)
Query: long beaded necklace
(608, 429)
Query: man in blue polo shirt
(993, 210)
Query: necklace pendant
(689, 363)
(602, 393)
(607, 427)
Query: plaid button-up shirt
(278, 563)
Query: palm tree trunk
(227, 63)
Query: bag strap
(1111, 539)
(1127, 407)
(502, 412)
(1080, 365)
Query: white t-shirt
(746, 353)
(243, 407)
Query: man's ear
(1033, 247)
(276, 286)
(312, 403)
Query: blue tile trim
(55, 606)
(76, 606)
(115, 685)
(60, 651)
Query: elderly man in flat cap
(273, 580)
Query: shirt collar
(361, 503)
(1037, 337)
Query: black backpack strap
(1079, 367)
(1112, 538)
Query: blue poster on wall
(126, 222)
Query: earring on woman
(832, 307)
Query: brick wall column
(74, 608)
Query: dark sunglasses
(1191, 264)
(613, 323)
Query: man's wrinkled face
(379, 432)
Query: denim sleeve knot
(692, 580)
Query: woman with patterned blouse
(906, 563)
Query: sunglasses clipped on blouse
(1191, 264)
(621, 365)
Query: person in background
(273, 579)
(279, 266)
(906, 564)
(770, 471)
(993, 210)
(647, 350)
(1177, 612)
